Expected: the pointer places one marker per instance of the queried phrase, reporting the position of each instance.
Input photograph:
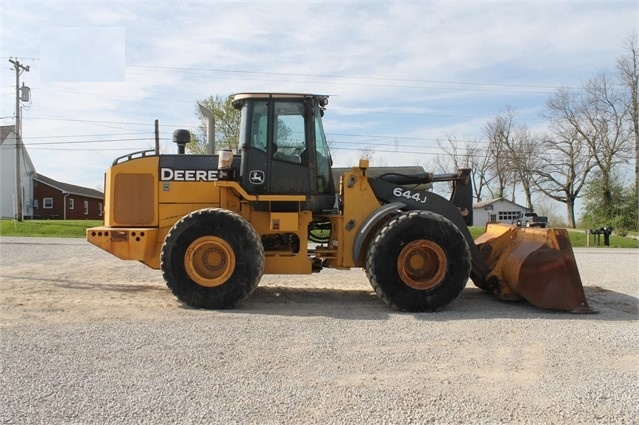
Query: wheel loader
(215, 223)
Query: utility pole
(19, 70)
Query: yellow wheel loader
(214, 224)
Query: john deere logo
(256, 177)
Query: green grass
(76, 228)
(578, 239)
(47, 228)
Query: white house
(8, 175)
(497, 210)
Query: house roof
(482, 204)
(5, 130)
(70, 188)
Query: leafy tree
(622, 216)
(227, 125)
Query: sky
(401, 75)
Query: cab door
(275, 147)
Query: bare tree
(526, 153)
(604, 115)
(595, 117)
(628, 68)
(546, 206)
(366, 153)
(499, 133)
(563, 167)
(469, 154)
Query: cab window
(289, 140)
(323, 156)
(259, 126)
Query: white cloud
(397, 69)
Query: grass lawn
(44, 228)
(578, 239)
(76, 228)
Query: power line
(87, 135)
(89, 141)
(361, 78)
(89, 121)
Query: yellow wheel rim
(422, 264)
(209, 261)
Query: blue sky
(402, 75)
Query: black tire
(419, 261)
(212, 258)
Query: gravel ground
(87, 338)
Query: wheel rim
(422, 264)
(209, 261)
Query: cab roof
(257, 95)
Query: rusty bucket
(535, 264)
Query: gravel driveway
(87, 338)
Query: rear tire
(418, 261)
(212, 258)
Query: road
(88, 338)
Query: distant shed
(498, 210)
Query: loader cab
(284, 149)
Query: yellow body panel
(172, 213)
(359, 202)
(282, 262)
(284, 222)
(202, 192)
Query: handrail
(138, 154)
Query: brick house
(55, 200)
(41, 196)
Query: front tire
(419, 261)
(212, 258)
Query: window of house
(508, 215)
(47, 203)
(86, 207)
(100, 209)
(71, 203)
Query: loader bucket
(535, 264)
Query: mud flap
(535, 264)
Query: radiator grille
(134, 200)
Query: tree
(514, 153)
(604, 115)
(622, 217)
(227, 125)
(563, 167)
(367, 153)
(498, 132)
(469, 155)
(628, 68)
(524, 153)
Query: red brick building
(56, 200)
